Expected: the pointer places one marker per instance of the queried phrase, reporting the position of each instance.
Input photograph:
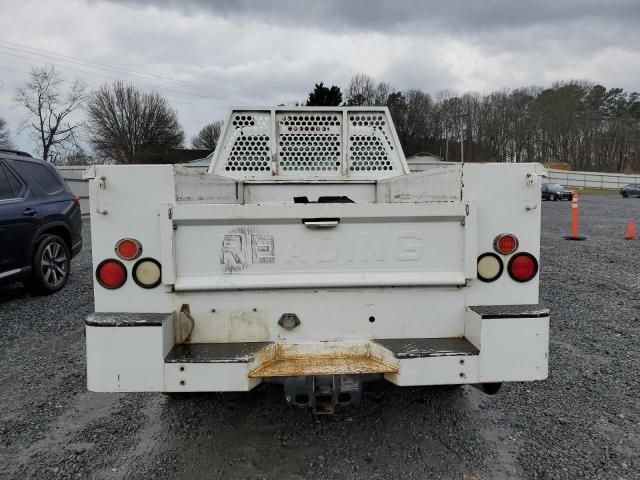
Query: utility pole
(444, 122)
(461, 135)
(446, 154)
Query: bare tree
(412, 113)
(381, 93)
(364, 91)
(4, 134)
(127, 125)
(72, 154)
(361, 90)
(207, 138)
(43, 98)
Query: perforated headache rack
(309, 143)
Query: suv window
(10, 186)
(5, 189)
(15, 184)
(43, 177)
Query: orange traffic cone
(574, 219)
(631, 230)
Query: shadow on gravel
(13, 291)
(393, 432)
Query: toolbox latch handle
(320, 222)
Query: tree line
(584, 125)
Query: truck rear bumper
(137, 352)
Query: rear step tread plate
(294, 367)
(331, 364)
(510, 311)
(406, 348)
(215, 352)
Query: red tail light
(522, 267)
(128, 248)
(505, 243)
(111, 274)
(76, 200)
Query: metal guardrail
(591, 179)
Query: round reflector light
(128, 248)
(111, 273)
(147, 273)
(505, 244)
(490, 267)
(522, 267)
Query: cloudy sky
(205, 55)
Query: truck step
(405, 348)
(293, 367)
(267, 359)
(243, 352)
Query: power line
(117, 69)
(173, 99)
(112, 78)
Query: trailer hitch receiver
(323, 393)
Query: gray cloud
(455, 16)
(278, 50)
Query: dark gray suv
(555, 191)
(631, 190)
(40, 223)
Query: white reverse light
(490, 267)
(147, 273)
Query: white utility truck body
(308, 254)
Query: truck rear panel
(303, 271)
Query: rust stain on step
(292, 361)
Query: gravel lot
(583, 422)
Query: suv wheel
(50, 265)
(555, 197)
(625, 194)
